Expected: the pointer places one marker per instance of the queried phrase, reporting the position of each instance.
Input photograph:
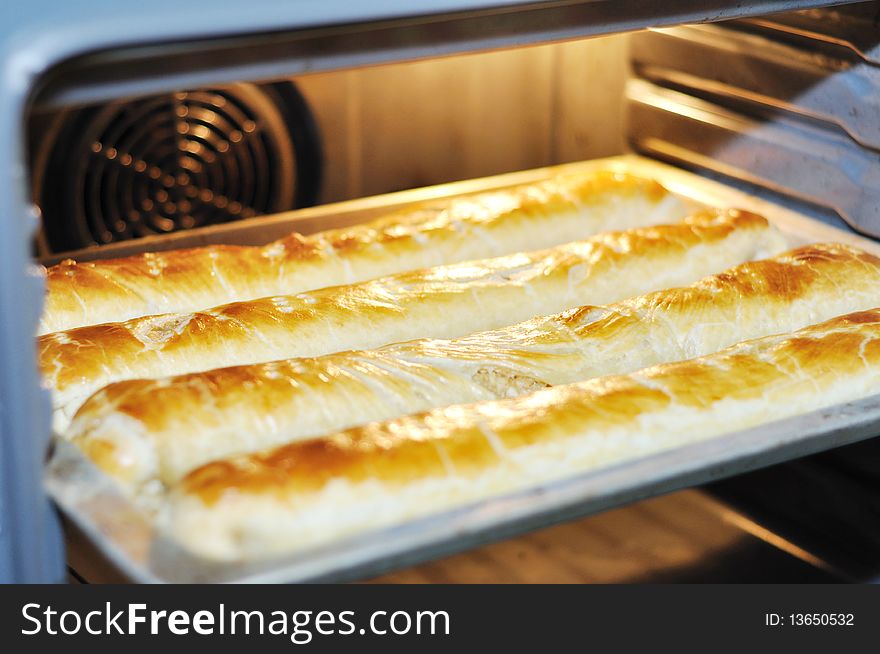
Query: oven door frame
(56, 54)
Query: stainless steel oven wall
(466, 117)
(788, 101)
(394, 127)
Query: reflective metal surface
(684, 537)
(418, 30)
(784, 155)
(788, 102)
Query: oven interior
(149, 148)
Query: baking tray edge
(124, 536)
(128, 541)
(263, 229)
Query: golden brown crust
(774, 369)
(188, 420)
(480, 295)
(490, 224)
(305, 494)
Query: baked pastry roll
(141, 431)
(305, 494)
(527, 217)
(442, 302)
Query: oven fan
(173, 162)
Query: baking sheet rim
(507, 515)
(85, 495)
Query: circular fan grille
(165, 163)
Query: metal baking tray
(109, 538)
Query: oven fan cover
(173, 162)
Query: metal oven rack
(61, 54)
